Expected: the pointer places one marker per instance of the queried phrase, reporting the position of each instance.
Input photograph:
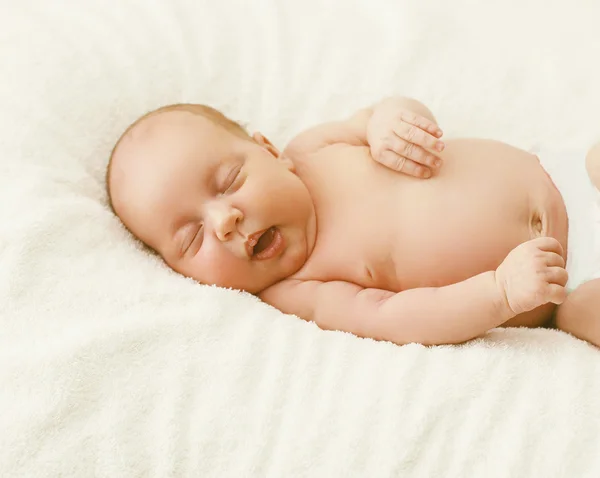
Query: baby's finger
(418, 136)
(557, 294)
(414, 152)
(557, 275)
(554, 260)
(421, 122)
(404, 165)
(548, 244)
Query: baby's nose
(225, 221)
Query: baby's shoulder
(283, 295)
(308, 141)
(303, 298)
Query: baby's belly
(488, 198)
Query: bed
(111, 365)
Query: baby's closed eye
(234, 180)
(193, 238)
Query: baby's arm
(402, 134)
(532, 275)
(430, 316)
(353, 130)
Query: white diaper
(582, 200)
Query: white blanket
(113, 366)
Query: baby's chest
(355, 245)
(358, 219)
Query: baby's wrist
(500, 298)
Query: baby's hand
(532, 275)
(404, 141)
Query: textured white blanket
(113, 366)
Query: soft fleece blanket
(113, 366)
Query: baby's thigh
(580, 313)
(592, 162)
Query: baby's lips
(251, 241)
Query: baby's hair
(203, 110)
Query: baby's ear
(287, 162)
(263, 141)
(270, 147)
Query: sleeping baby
(372, 225)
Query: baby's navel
(537, 225)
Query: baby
(472, 235)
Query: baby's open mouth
(268, 244)
(264, 241)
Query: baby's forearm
(445, 315)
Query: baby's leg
(592, 163)
(579, 315)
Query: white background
(112, 365)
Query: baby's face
(219, 208)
